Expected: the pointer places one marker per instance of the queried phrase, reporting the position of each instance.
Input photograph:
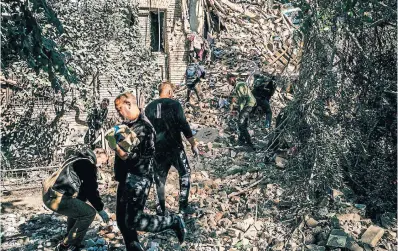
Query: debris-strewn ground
(239, 194)
(240, 204)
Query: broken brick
(372, 235)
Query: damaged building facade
(162, 29)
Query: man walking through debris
(246, 101)
(168, 119)
(133, 142)
(76, 177)
(95, 121)
(263, 93)
(193, 75)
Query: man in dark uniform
(134, 172)
(95, 120)
(263, 93)
(168, 119)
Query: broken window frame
(161, 29)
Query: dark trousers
(192, 87)
(164, 161)
(91, 135)
(130, 202)
(80, 214)
(243, 123)
(265, 106)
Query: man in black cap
(263, 92)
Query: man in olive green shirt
(244, 98)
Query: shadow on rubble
(43, 229)
(10, 206)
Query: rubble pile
(256, 39)
(240, 206)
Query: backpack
(191, 73)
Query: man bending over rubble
(246, 101)
(263, 92)
(193, 74)
(168, 119)
(66, 191)
(133, 142)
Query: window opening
(157, 30)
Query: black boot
(136, 246)
(63, 247)
(187, 210)
(179, 229)
(241, 141)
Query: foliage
(27, 140)
(343, 117)
(28, 30)
(91, 39)
(103, 37)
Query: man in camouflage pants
(95, 121)
(134, 172)
(168, 119)
(244, 98)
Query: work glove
(195, 150)
(111, 140)
(126, 138)
(120, 131)
(104, 216)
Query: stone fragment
(278, 246)
(245, 242)
(280, 162)
(110, 236)
(314, 247)
(251, 233)
(113, 216)
(372, 235)
(337, 238)
(348, 217)
(336, 193)
(311, 222)
(353, 246)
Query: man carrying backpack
(66, 191)
(263, 93)
(246, 101)
(193, 74)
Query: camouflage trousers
(164, 161)
(243, 123)
(131, 198)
